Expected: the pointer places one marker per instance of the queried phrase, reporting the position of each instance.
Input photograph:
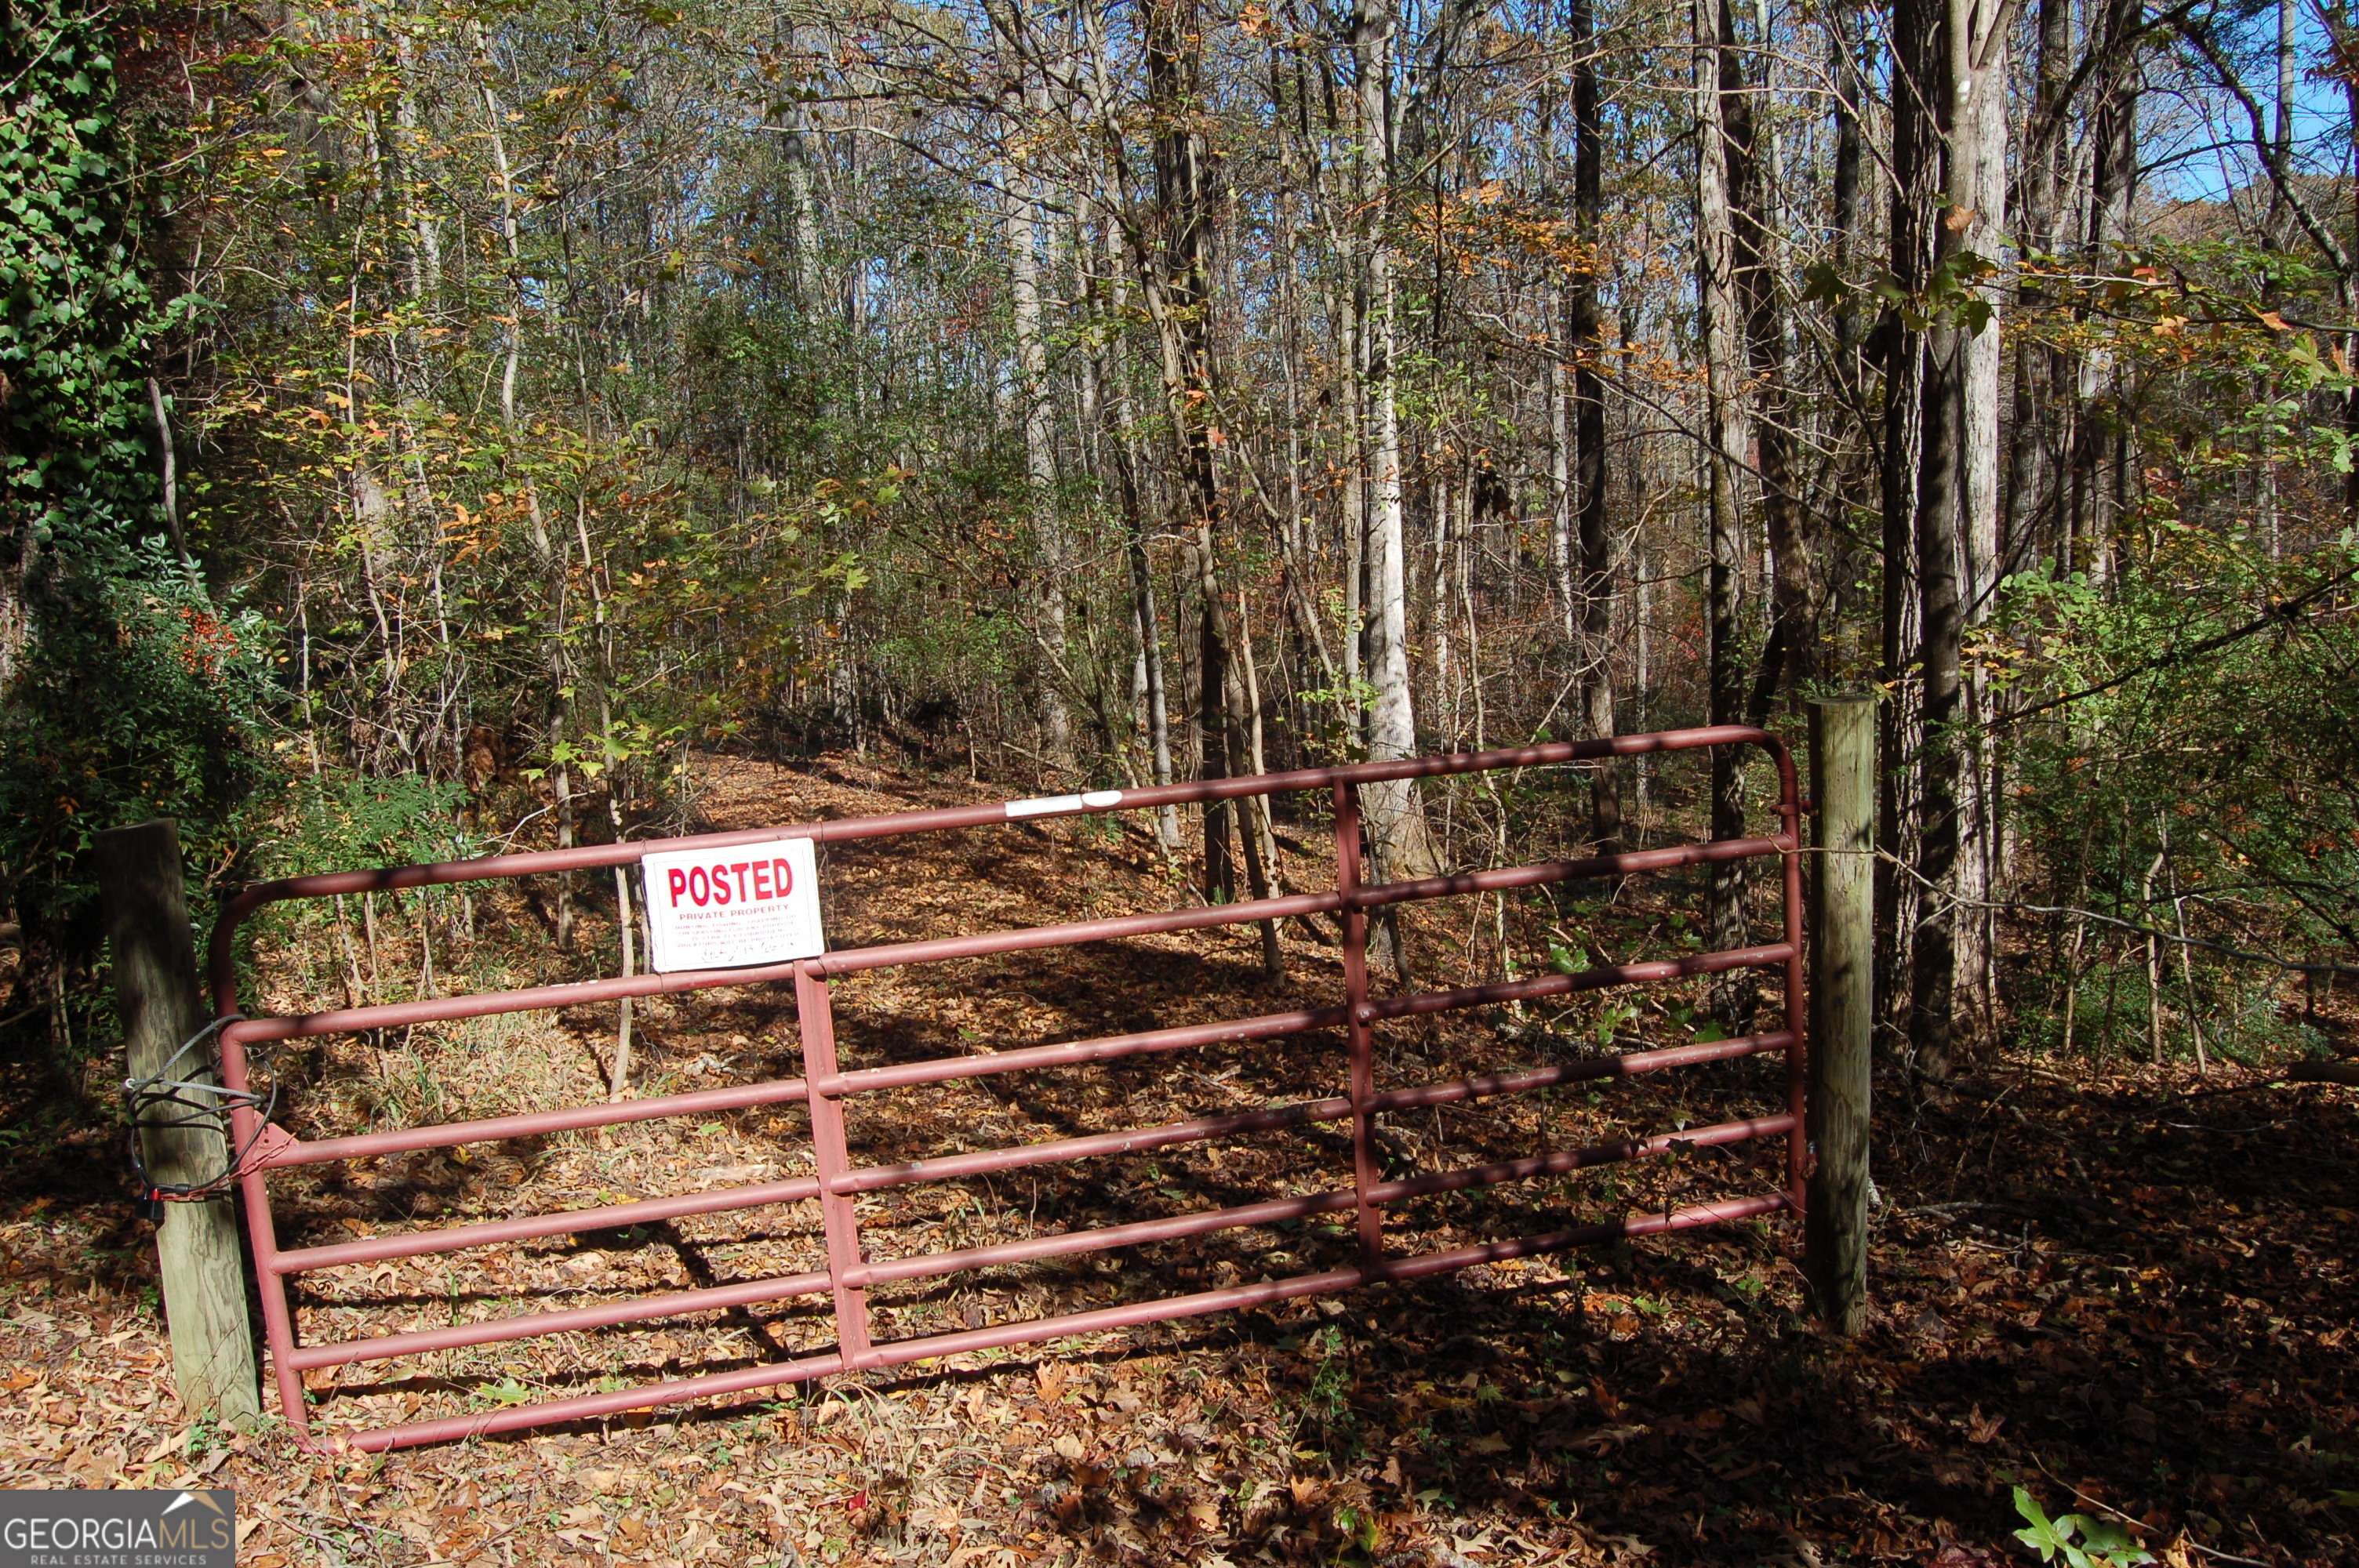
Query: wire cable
(162, 1102)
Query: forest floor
(2127, 1290)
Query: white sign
(724, 909)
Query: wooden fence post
(1842, 1002)
(156, 999)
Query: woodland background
(427, 426)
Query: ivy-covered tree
(127, 689)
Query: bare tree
(1583, 328)
(1950, 59)
(1026, 227)
(1727, 438)
(1397, 828)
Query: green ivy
(130, 691)
(74, 336)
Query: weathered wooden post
(1843, 1001)
(156, 998)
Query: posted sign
(724, 909)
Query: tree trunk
(1598, 587)
(1921, 69)
(1120, 446)
(1850, 93)
(1025, 223)
(802, 144)
(1978, 185)
(1254, 830)
(1179, 302)
(2043, 376)
(2346, 45)
(1790, 655)
(1150, 659)
(1947, 174)
(2280, 227)
(1563, 579)
(2114, 174)
(1855, 479)
(546, 552)
(1396, 829)
(1725, 444)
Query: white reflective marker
(1055, 805)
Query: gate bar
(222, 959)
(1057, 1244)
(1275, 1211)
(754, 1291)
(1541, 986)
(815, 1019)
(1128, 1314)
(1359, 1042)
(526, 1325)
(615, 987)
(534, 1123)
(564, 1222)
(453, 1238)
(1561, 1162)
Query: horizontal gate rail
(826, 1090)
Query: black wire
(145, 1096)
(209, 1116)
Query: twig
(1947, 1208)
(1955, 900)
(2127, 1518)
(2290, 612)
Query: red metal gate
(824, 1087)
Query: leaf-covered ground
(2126, 1291)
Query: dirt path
(2062, 1302)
